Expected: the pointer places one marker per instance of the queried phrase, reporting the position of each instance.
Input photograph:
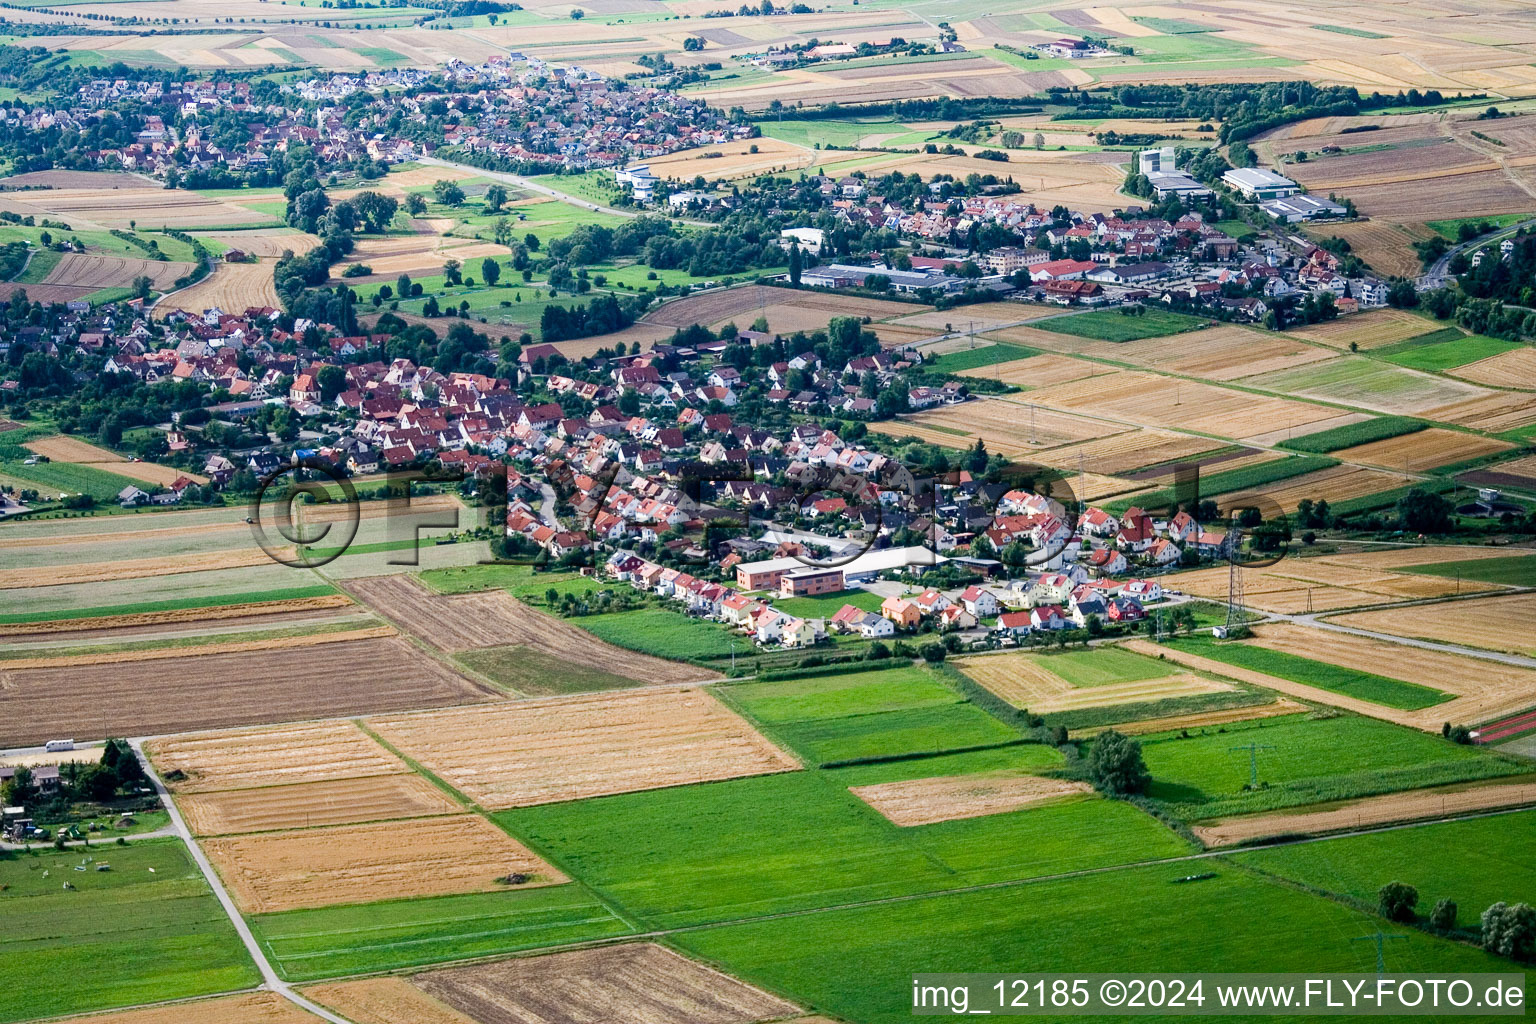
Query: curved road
(1439, 273)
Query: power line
(1381, 940)
(1253, 760)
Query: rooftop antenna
(1381, 940)
(1253, 760)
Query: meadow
(1105, 325)
(880, 714)
(1232, 922)
(1384, 690)
(1103, 666)
(663, 633)
(975, 358)
(1493, 860)
(1446, 354)
(309, 944)
(1515, 570)
(123, 936)
(800, 840)
(1314, 759)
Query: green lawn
(1234, 922)
(974, 358)
(801, 840)
(884, 713)
(309, 944)
(1313, 760)
(1105, 325)
(1518, 570)
(1378, 689)
(824, 606)
(1474, 862)
(1105, 665)
(122, 937)
(664, 633)
(1351, 434)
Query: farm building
(1293, 209)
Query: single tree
(1115, 765)
(490, 271)
(1396, 901)
(495, 198)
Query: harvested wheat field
(1010, 426)
(1123, 453)
(733, 160)
(1372, 329)
(982, 316)
(1296, 585)
(247, 1008)
(311, 804)
(150, 207)
(1216, 353)
(63, 448)
(305, 752)
(1150, 400)
(1484, 689)
(1513, 369)
(323, 867)
(383, 1000)
(1026, 681)
(636, 983)
(729, 303)
(1503, 410)
(230, 286)
(1498, 623)
(495, 618)
(1423, 450)
(1419, 554)
(104, 625)
(1386, 246)
(269, 242)
(1333, 485)
(568, 748)
(281, 643)
(1412, 805)
(1198, 720)
(76, 270)
(1039, 371)
(131, 568)
(950, 797)
(222, 690)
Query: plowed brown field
(220, 690)
(568, 748)
(384, 1001)
(636, 983)
(323, 867)
(947, 798)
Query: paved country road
(1438, 275)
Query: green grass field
(1450, 353)
(886, 713)
(1517, 570)
(1378, 429)
(1355, 381)
(1234, 922)
(1378, 689)
(71, 478)
(664, 633)
(1220, 482)
(1313, 760)
(825, 606)
(1104, 665)
(1111, 326)
(975, 358)
(801, 840)
(1475, 862)
(321, 943)
(122, 937)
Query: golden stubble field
(322, 867)
(570, 748)
(1496, 623)
(1026, 681)
(951, 797)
